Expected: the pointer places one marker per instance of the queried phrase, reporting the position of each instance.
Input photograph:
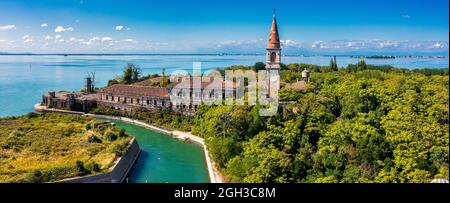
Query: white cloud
(44, 25)
(439, 45)
(130, 40)
(48, 37)
(58, 36)
(317, 44)
(105, 39)
(7, 27)
(27, 39)
(119, 27)
(62, 29)
(93, 39)
(72, 39)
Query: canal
(164, 159)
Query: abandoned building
(72, 101)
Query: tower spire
(274, 39)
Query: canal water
(164, 159)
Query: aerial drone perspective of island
(95, 91)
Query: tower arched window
(273, 57)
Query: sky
(230, 26)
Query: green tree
(259, 66)
(361, 65)
(333, 64)
(131, 73)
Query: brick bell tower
(273, 50)
(273, 58)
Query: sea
(25, 78)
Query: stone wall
(118, 172)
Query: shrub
(32, 115)
(92, 166)
(94, 139)
(110, 136)
(80, 168)
(122, 133)
(119, 149)
(88, 126)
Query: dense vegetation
(362, 123)
(51, 147)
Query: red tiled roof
(133, 90)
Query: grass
(50, 147)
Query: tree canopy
(361, 123)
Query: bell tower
(273, 50)
(273, 60)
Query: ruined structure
(72, 101)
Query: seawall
(117, 173)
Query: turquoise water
(23, 79)
(164, 159)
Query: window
(162, 103)
(118, 99)
(112, 98)
(154, 103)
(273, 57)
(106, 97)
(137, 100)
(148, 102)
(132, 100)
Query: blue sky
(168, 26)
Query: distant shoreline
(241, 54)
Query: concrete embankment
(118, 172)
(214, 175)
